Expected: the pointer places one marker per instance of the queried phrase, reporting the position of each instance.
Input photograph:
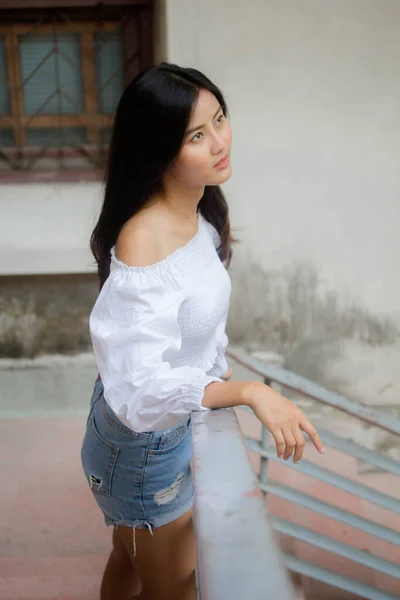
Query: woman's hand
(227, 375)
(280, 416)
(283, 419)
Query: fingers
(286, 442)
(290, 440)
(279, 441)
(306, 426)
(286, 423)
(300, 445)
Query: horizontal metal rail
(273, 373)
(313, 390)
(331, 545)
(340, 482)
(328, 510)
(344, 583)
(352, 449)
(237, 553)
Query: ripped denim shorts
(139, 480)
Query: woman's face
(204, 158)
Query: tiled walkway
(54, 544)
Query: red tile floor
(53, 542)
(54, 545)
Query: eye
(221, 118)
(197, 137)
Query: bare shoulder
(137, 244)
(150, 237)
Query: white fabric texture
(158, 333)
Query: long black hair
(149, 128)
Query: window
(60, 82)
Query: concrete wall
(48, 283)
(314, 98)
(45, 314)
(45, 228)
(315, 105)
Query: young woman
(162, 244)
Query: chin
(222, 177)
(225, 175)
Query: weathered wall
(45, 314)
(315, 111)
(320, 332)
(315, 108)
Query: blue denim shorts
(139, 480)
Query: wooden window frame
(90, 119)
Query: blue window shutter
(54, 137)
(48, 60)
(109, 70)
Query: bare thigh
(166, 560)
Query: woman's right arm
(281, 417)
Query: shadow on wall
(321, 334)
(281, 308)
(288, 311)
(45, 314)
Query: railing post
(278, 360)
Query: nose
(218, 144)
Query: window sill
(64, 176)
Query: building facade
(314, 97)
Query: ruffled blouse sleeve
(220, 366)
(135, 330)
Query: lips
(222, 163)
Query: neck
(180, 199)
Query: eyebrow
(189, 131)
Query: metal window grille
(60, 81)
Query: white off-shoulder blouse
(158, 333)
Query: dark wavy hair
(148, 132)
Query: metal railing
(238, 557)
(278, 375)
